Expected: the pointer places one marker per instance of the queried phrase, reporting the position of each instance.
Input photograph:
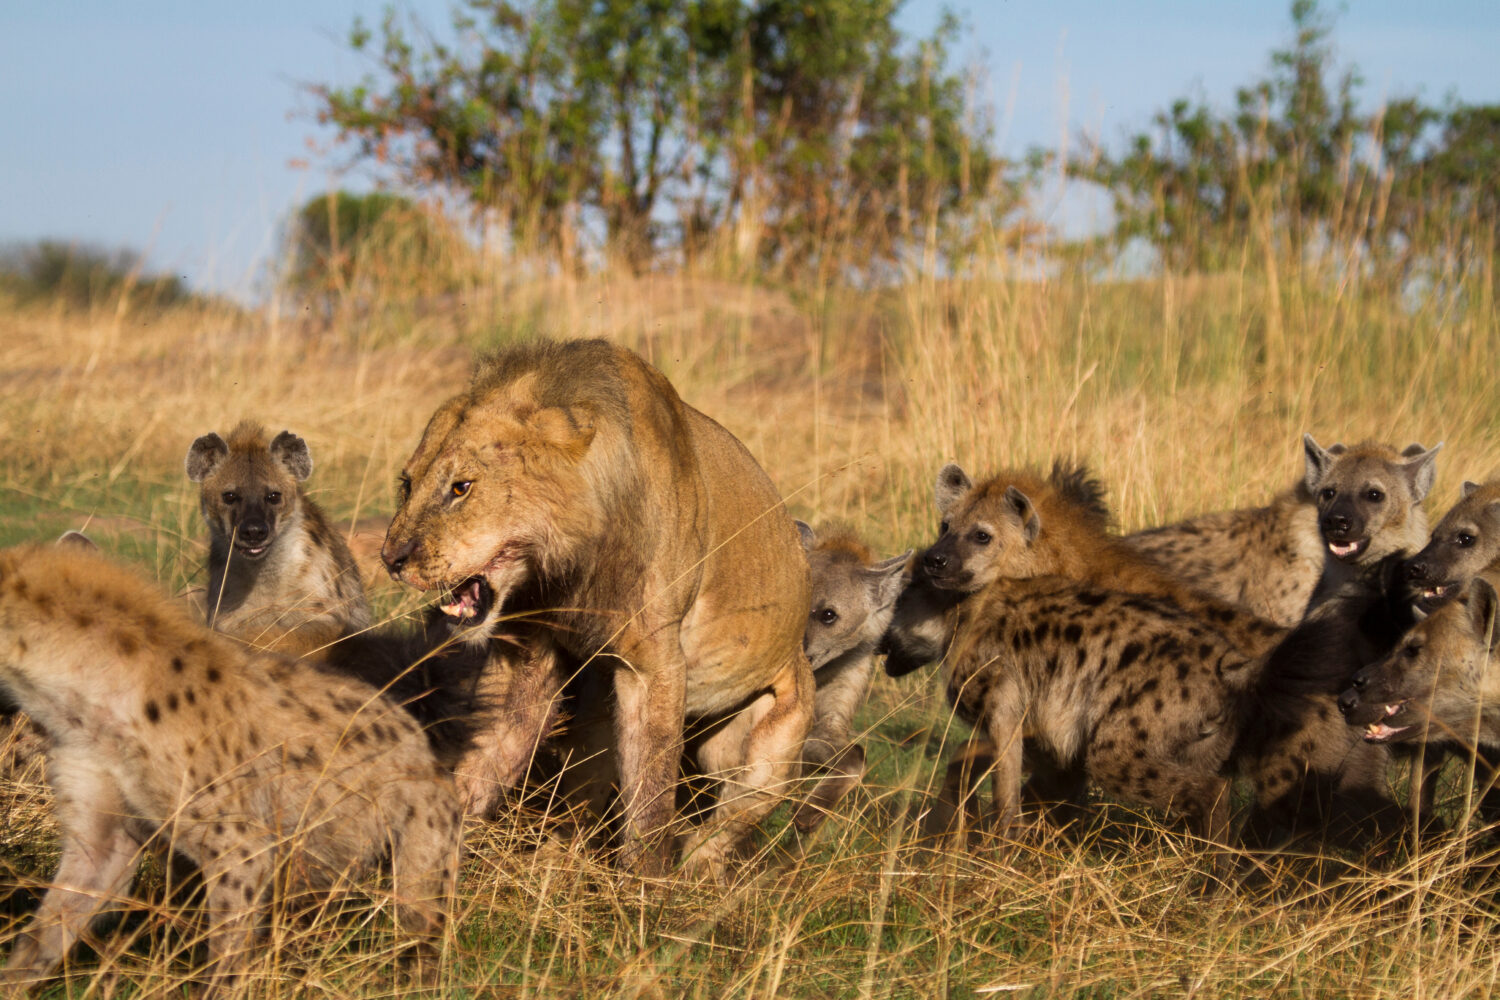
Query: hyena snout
(1352, 696)
(1341, 525)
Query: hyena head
(1437, 674)
(995, 530)
(1369, 498)
(249, 487)
(1464, 543)
(853, 596)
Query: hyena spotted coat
(1019, 525)
(1125, 691)
(853, 597)
(279, 576)
(164, 732)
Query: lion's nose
(395, 556)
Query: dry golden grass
(1184, 393)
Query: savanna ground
(1183, 393)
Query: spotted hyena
(1465, 543)
(243, 762)
(1354, 506)
(1125, 691)
(853, 597)
(279, 576)
(1439, 685)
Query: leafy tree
(817, 129)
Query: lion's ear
(569, 429)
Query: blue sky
(173, 126)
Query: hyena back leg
(424, 875)
(99, 859)
(238, 884)
(839, 776)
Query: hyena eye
(273, 498)
(1463, 539)
(981, 537)
(943, 528)
(1411, 652)
(403, 488)
(461, 489)
(1374, 496)
(1328, 493)
(230, 497)
(828, 616)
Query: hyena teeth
(1391, 710)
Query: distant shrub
(84, 276)
(345, 246)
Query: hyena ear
(291, 451)
(77, 540)
(952, 483)
(1466, 489)
(570, 429)
(1482, 605)
(805, 532)
(1031, 521)
(205, 453)
(888, 578)
(1421, 470)
(1318, 461)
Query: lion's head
(496, 494)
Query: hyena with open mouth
(1465, 543)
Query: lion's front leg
(648, 727)
(522, 691)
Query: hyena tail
(435, 682)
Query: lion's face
(493, 496)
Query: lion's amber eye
(461, 489)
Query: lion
(571, 484)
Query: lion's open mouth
(1382, 731)
(469, 601)
(1348, 551)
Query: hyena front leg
(1004, 723)
(829, 753)
(99, 859)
